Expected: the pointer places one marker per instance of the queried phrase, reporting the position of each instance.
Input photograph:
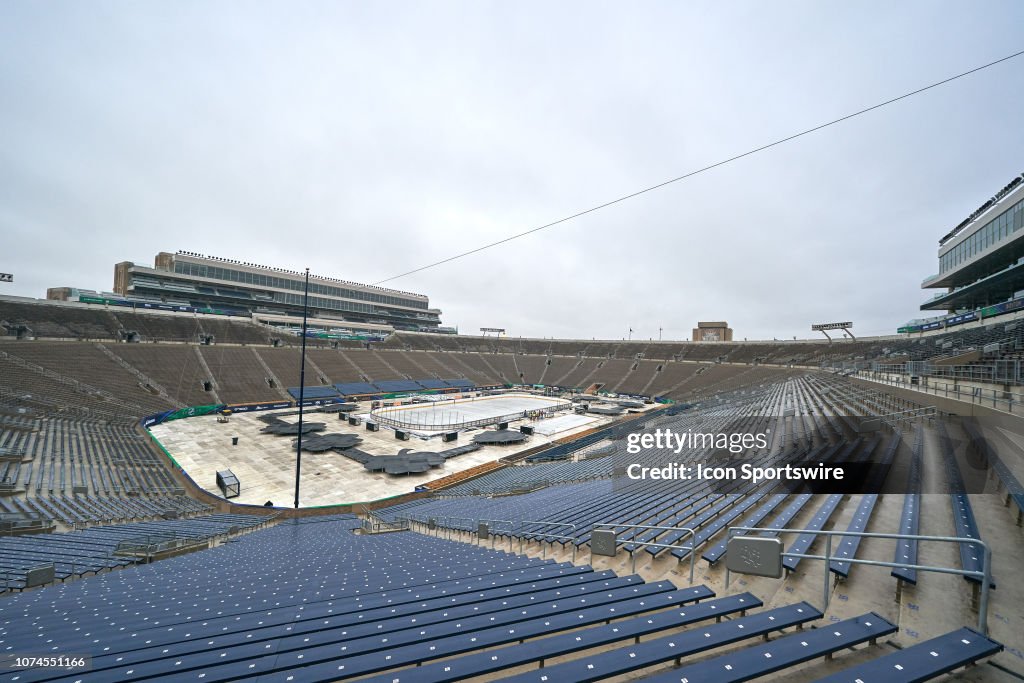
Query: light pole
(302, 389)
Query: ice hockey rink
(442, 416)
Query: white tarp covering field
(561, 423)
(457, 414)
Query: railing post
(693, 552)
(985, 586)
(828, 562)
(728, 574)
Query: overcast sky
(364, 139)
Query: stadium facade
(273, 294)
(981, 261)
(712, 331)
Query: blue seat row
(847, 548)
(971, 555)
(541, 649)
(781, 653)
(921, 662)
(673, 647)
(1014, 489)
(910, 519)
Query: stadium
(149, 439)
(710, 429)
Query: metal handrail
(567, 525)
(488, 522)
(985, 575)
(692, 547)
(555, 537)
(448, 520)
(425, 521)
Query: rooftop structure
(981, 261)
(190, 279)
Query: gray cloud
(366, 139)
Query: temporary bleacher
(313, 392)
(356, 388)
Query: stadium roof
(194, 255)
(998, 197)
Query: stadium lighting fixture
(302, 389)
(822, 327)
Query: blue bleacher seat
(667, 648)
(478, 663)
(390, 386)
(781, 653)
(314, 392)
(324, 598)
(1009, 481)
(921, 662)
(910, 521)
(971, 555)
(356, 388)
(804, 541)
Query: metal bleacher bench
(921, 662)
(790, 650)
(480, 663)
(673, 647)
